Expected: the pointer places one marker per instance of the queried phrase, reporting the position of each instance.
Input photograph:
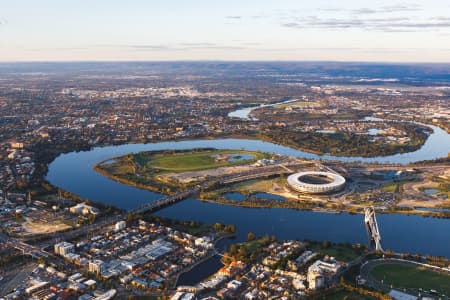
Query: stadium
(316, 182)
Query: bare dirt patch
(32, 226)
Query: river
(74, 172)
(414, 234)
(244, 113)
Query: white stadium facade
(316, 182)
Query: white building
(234, 284)
(319, 270)
(120, 225)
(204, 242)
(315, 280)
(64, 248)
(96, 266)
(83, 209)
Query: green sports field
(411, 277)
(203, 160)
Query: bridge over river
(258, 172)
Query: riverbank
(151, 188)
(326, 208)
(74, 172)
(346, 144)
(160, 181)
(168, 171)
(206, 259)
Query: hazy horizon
(200, 30)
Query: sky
(168, 30)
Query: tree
(40, 260)
(230, 228)
(233, 249)
(251, 236)
(243, 253)
(325, 244)
(218, 227)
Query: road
(38, 250)
(15, 278)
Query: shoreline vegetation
(346, 144)
(216, 197)
(324, 208)
(146, 170)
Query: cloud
(388, 24)
(364, 11)
(397, 8)
(60, 49)
(204, 45)
(149, 47)
(331, 9)
(400, 8)
(172, 47)
(310, 49)
(200, 44)
(444, 19)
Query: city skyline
(211, 30)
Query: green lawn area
(340, 252)
(413, 277)
(390, 187)
(196, 230)
(297, 103)
(252, 246)
(260, 185)
(196, 161)
(342, 295)
(248, 187)
(394, 186)
(442, 190)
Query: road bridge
(228, 179)
(153, 206)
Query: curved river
(415, 234)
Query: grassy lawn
(394, 186)
(196, 161)
(408, 276)
(297, 103)
(442, 190)
(252, 246)
(340, 252)
(390, 187)
(249, 187)
(195, 230)
(261, 185)
(119, 167)
(147, 169)
(340, 295)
